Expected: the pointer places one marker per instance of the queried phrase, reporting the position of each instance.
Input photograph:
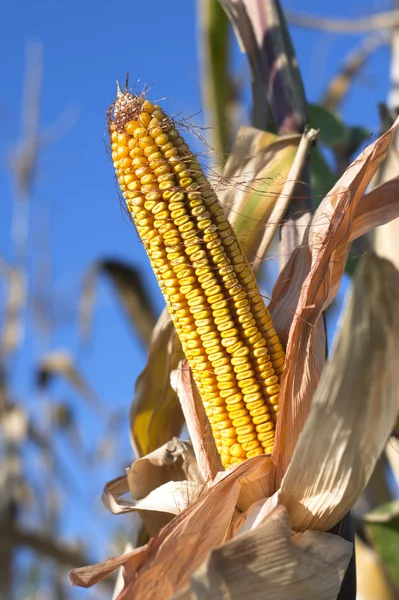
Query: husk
(88, 576)
(308, 284)
(155, 415)
(204, 447)
(253, 179)
(165, 481)
(354, 408)
(269, 562)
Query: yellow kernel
(245, 429)
(139, 132)
(236, 450)
(266, 427)
(229, 433)
(131, 127)
(144, 119)
(251, 445)
(273, 389)
(162, 139)
(237, 412)
(256, 452)
(233, 400)
(122, 151)
(266, 441)
(241, 421)
(249, 437)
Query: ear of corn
(212, 295)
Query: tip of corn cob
(210, 290)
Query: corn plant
(283, 439)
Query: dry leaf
(353, 63)
(183, 544)
(131, 290)
(354, 408)
(156, 478)
(208, 459)
(310, 565)
(173, 461)
(171, 497)
(88, 576)
(156, 414)
(253, 178)
(16, 298)
(305, 288)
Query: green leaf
(382, 529)
(322, 178)
(332, 130)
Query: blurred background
(78, 300)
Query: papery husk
(155, 415)
(253, 178)
(165, 481)
(164, 564)
(174, 461)
(207, 457)
(92, 574)
(258, 484)
(354, 408)
(309, 283)
(269, 562)
(171, 497)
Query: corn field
(204, 402)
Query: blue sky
(87, 46)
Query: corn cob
(211, 293)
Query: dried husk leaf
(378, 207)
(309, 565)
(88, 576)
(13, 325)
(165, 481)
(307, 285)
(172, 497)
(174, 461)
(258, 484)
(253, 179)
(208, 459)
(156, 415)
(183, 544)
(354, 408)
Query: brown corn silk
(210, 290)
